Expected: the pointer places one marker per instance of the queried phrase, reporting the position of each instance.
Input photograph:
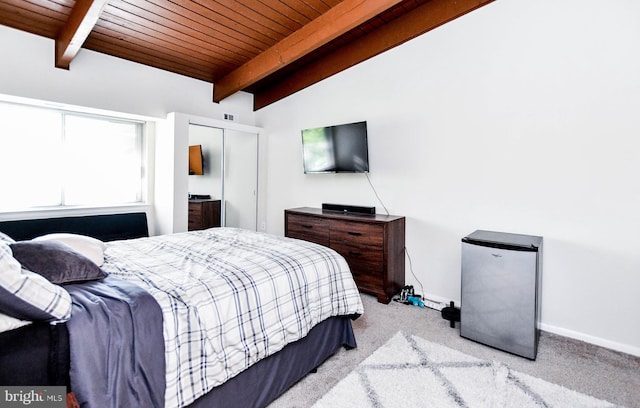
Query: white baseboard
(612, 345)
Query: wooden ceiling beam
(330, 25)
(82, 19)
(410, 25)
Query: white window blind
(58, 158)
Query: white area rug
(411, 372)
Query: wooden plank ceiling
(271, 48)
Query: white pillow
(90, 247)
(5, 238)
(26, 295)
(9, 323)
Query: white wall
(99, 81)
(105, 84)
(519, 117)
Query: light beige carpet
(605, 374)
(411, 372)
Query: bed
(215, 318)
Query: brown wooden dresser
(372, 244)
(203, 214)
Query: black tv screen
(336, 149)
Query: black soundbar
(349, 208)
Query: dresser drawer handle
(306, 226)
(357, 234)
(355, 253)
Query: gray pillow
(55, 261)
(26, 295)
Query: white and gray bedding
(230, 298)
(221, 308)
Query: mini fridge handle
(500, 245)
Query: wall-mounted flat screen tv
(195, 160)
(336, 149)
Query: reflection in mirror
(205, 186)
(230, 173)
(196, 161)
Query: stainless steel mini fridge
(501, 275)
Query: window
(57, 158)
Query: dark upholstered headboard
(109, 227)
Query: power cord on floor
(406, 251)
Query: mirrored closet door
(229, 175)
(240, 179)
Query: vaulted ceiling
(270, 48)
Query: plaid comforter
(231, 297)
